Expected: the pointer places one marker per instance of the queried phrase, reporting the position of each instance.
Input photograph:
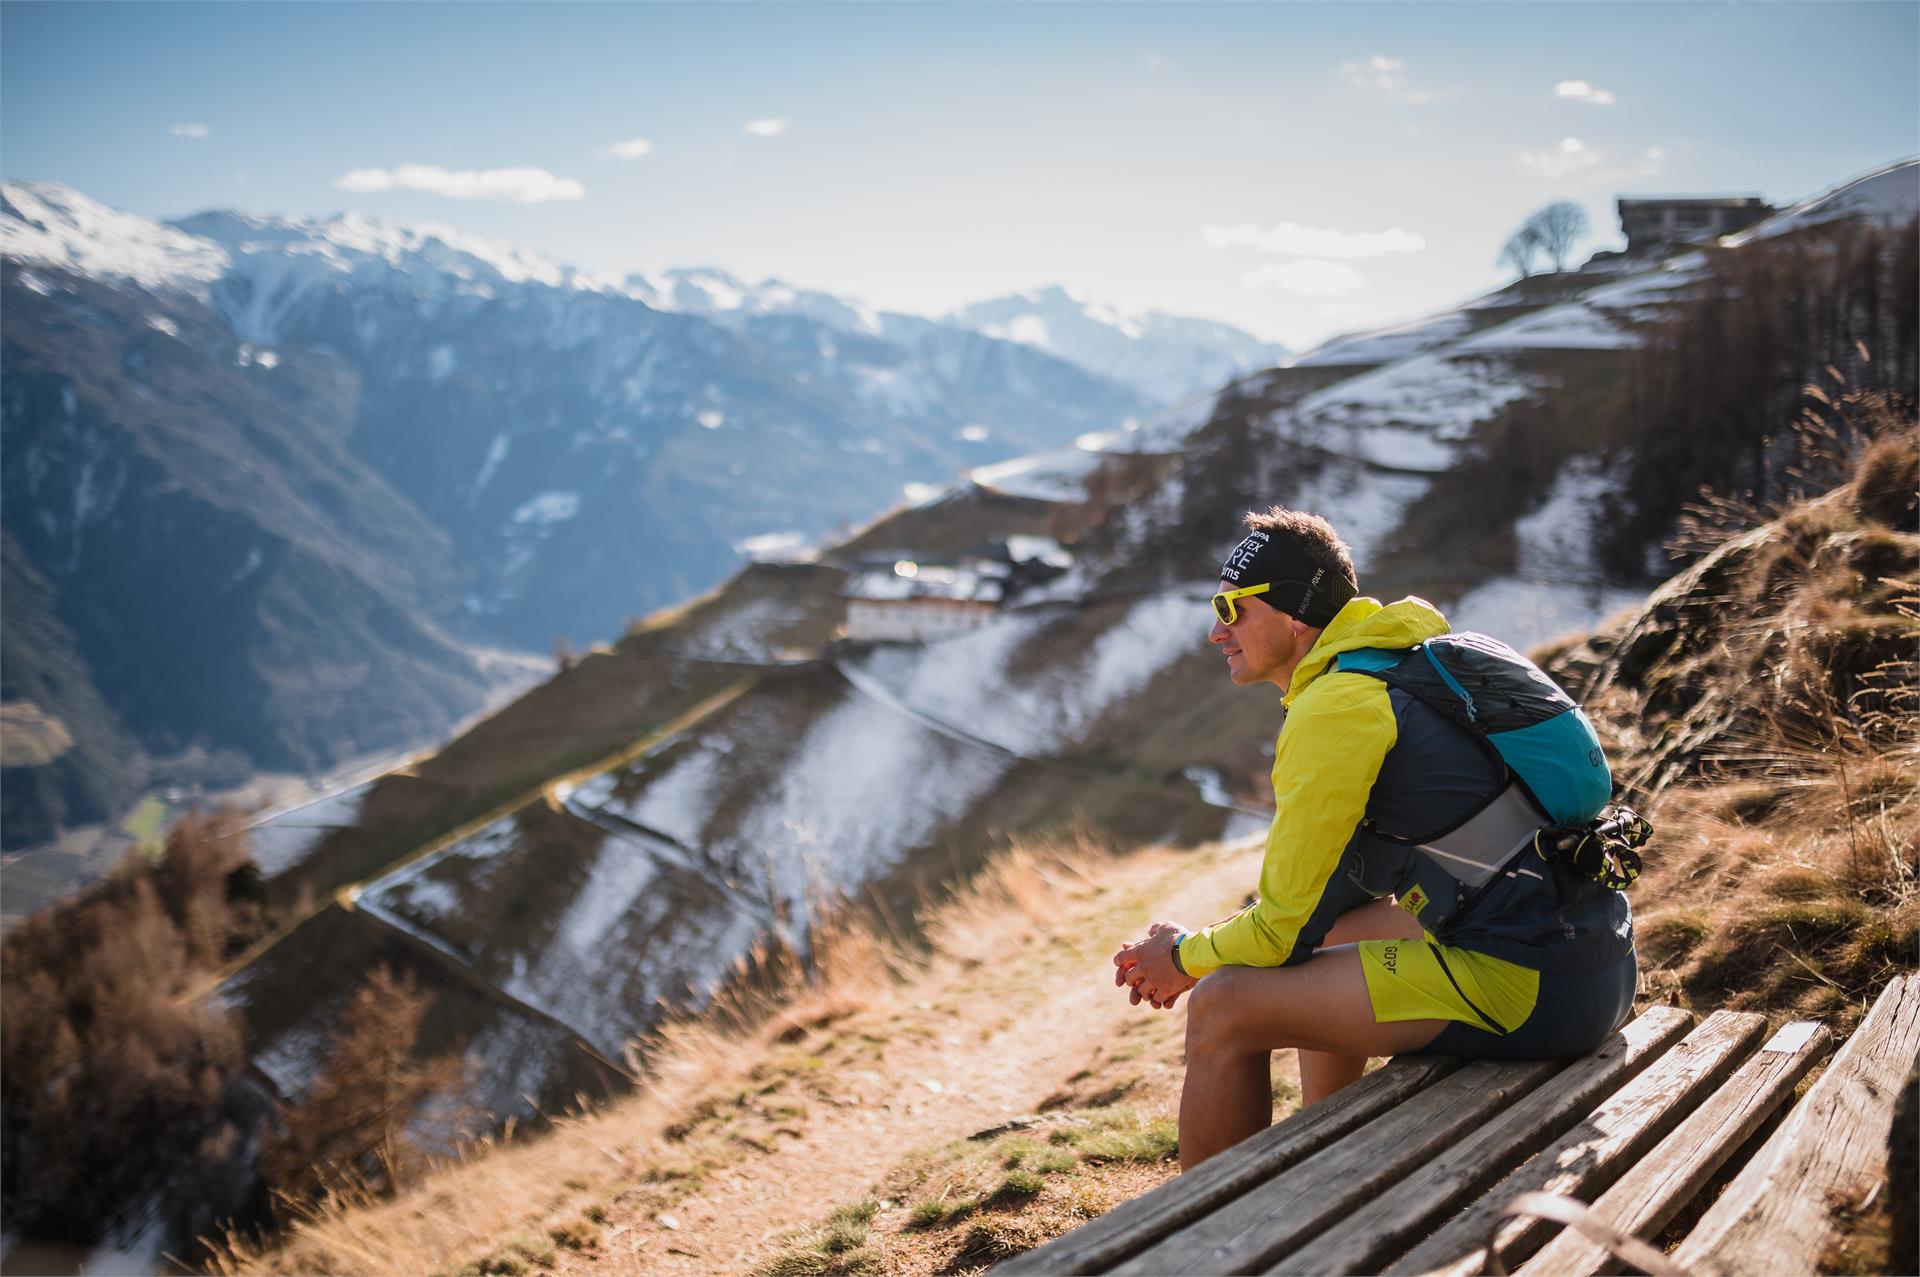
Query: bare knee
(1215, 1014)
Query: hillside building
(912, 603)
(907, 601)
(1652, 224)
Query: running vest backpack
(1542, 745)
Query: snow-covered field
(1888, 195)
(1526, 613)
(1411, 415)
(626, 928)
(1059, 475)
(1165, 431)
(845, 801)
(968, 681)
(745, 634)
(1572, 326)
(1366, 504)
(862, 788)
(678, 802)
(283, 840)
(1385, 345)
(1557, 586)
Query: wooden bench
(1409, 1170)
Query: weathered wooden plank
(1647, 1197)
(1426, 1193)
(1181, 1200)
(1587, 1159)
(1832, 1149)
(1277, 1216)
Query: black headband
(1302, 588)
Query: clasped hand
(1146, 967)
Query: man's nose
(1219, 633)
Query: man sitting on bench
(1405, 904)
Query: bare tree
(350, 1131)
(1520, 248)
(1560, 225)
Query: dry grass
(1764, 709)
(753, 1068)
(971, 1203)
(1107, 1133)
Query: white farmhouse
(913, 602)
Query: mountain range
(276, 479)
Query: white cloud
(1651, 161)
(766, 128)
(631, 149)
(189, 130)
(1310, 278)
(1581, 91)
(1305, 241)
(512, 185)
(1570, 157)
(1383, 74)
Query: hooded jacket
(1355, 757)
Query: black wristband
(1176, 954)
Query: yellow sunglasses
(1223, 602)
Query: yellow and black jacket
(1356, 759)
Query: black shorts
(1572, 1015)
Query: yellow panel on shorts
(1406, 982)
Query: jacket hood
(1366, 622)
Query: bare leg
(1238, 1016)
(1324, 1072)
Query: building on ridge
(1661, 222)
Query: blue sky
(1245, 162)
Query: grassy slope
(1782, 880)
(1763, 708)
(865, 1084)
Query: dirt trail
(932, 1091)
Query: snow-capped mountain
(713, 294)
(503, 448)
(1166, 357)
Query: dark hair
(1313, 535)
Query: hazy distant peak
(1168, 357)
(709, 291)
(55, 224)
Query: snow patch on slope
(285, 838)
(1654, 288)
(678, 801)
(1059, 475)
(1571, 326)
(1890, 195)
(1385, 345)
(968, 681)
(1557, 585)
(860, 792)
(1409, 415)
(1164, 431)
